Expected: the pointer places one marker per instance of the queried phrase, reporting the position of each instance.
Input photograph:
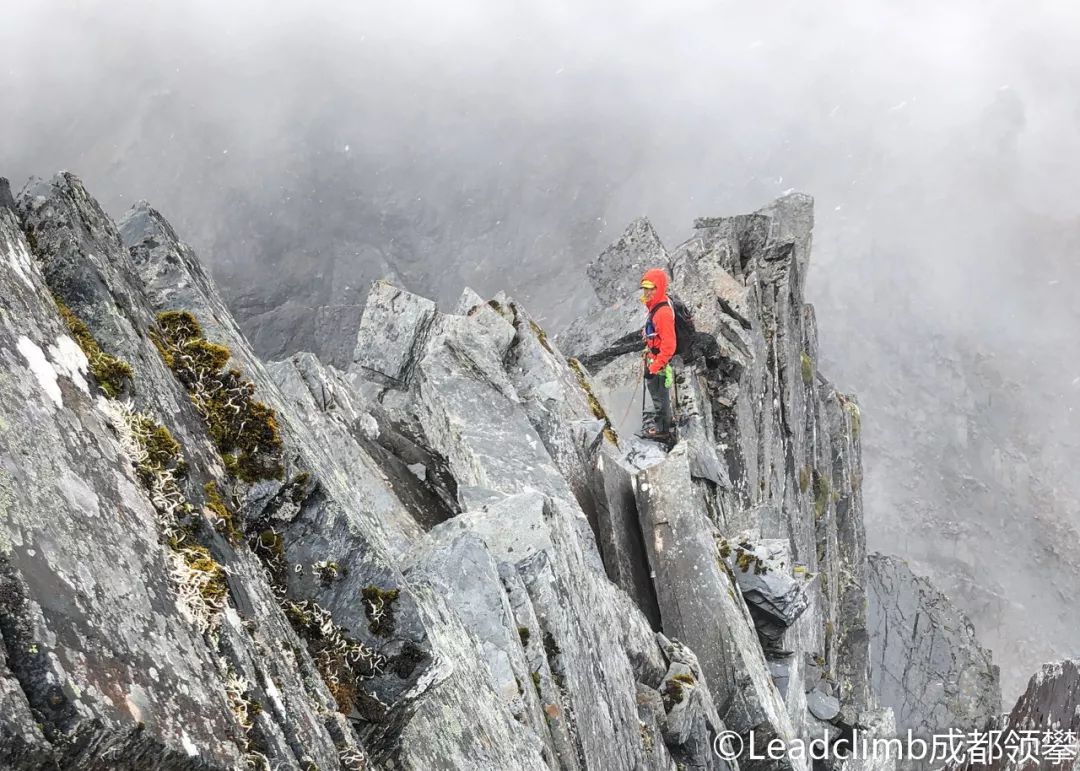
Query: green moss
(244, 430)
(672, 693)
(162, 452)
(343, 662)
(594, 404)
(224, 521)
(541, 336)
(298, 487)
(178, 325)
(536, 682)
(379, 606)
(328, 572)
(648, 743)
(112, 374)
(822, 493)
(273, 542)
(855, 416)
(198, 559)
(32, 242)
(804, 479)
(724, 549)
(523, 633)
(684, 677)
(807, 368)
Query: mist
(304, 149)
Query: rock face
(926, 662)
(1040, 732)
(450, 554)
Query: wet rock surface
(446, 551)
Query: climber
(660, 343)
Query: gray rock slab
(926, 662)
(699, 604)
(393, 331)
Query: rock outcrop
(927, 664)
(1041, 732)
(453, 554)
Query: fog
(305, 148)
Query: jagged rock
(76, 530)
(1047, 709)
(691, 724)
(491, 317)
(775, 598)
(6, 200)
(613, 326)
(393, 331)
(340, 551)
(460, 569)
(927, 664)
(619, 534)
(616, 272)
(698, 603)
(811, 673)
(461, 510)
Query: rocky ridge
(453, 554)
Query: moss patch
(328, 571)
(807, 368)
(822, 493)
(854, 416)
(594, 404)
(673, 693)
(523, 633)
(804, 479)
(379, 606)
(113, 375)
(224, 520)
(244, 430)
(541, 335)
(343, 663)
(213, 587)
(746, 560)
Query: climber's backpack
(685, 333)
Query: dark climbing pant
(661, 400)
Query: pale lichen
(198, 578)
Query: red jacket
(661, 341)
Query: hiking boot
(655, 434)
